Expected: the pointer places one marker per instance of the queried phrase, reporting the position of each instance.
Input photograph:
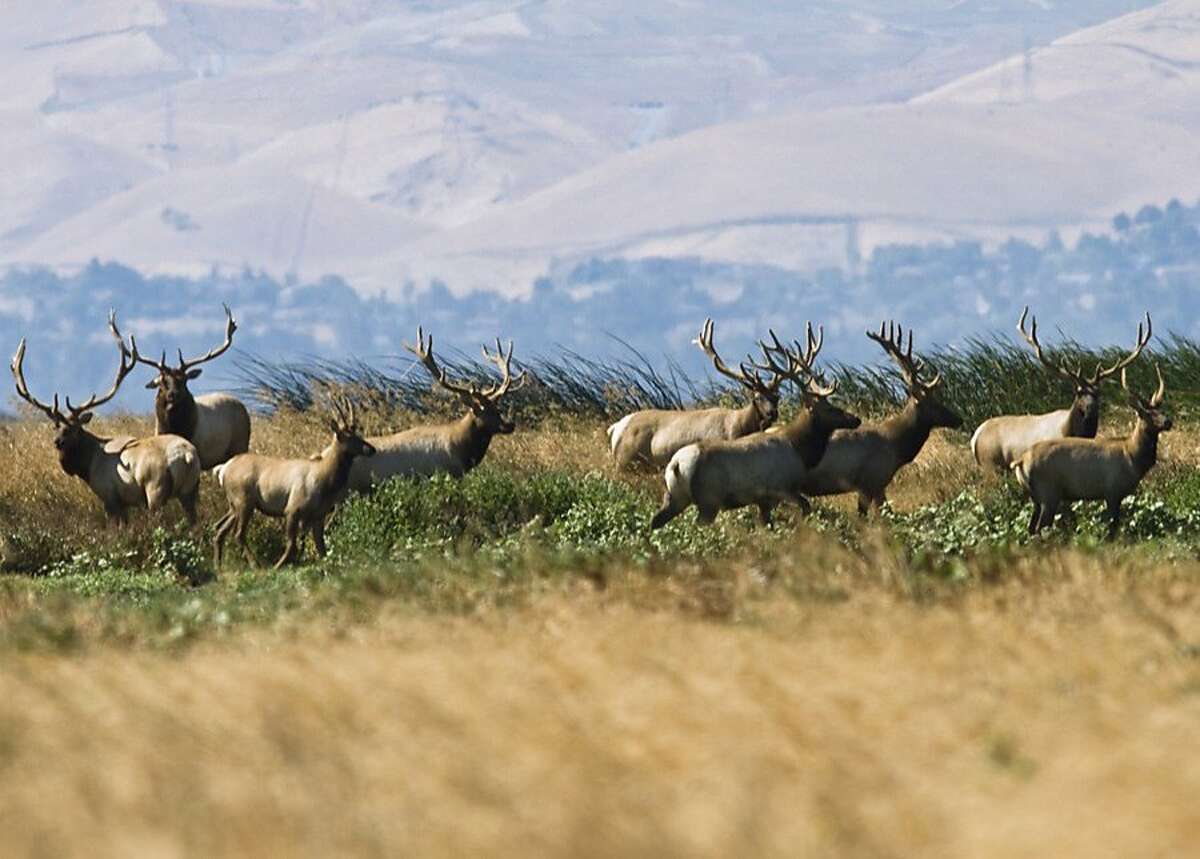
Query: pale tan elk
(218, 424)
(124, 471)
(763, 468)
(451, 448)
(865, 460)
(1000, 441)
(652, 436)
(1086, 469)
(301, 491)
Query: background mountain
(557, 170)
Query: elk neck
(1142, 446)
(334, 468)
(79, 458)
(808, 436)
(907, 431)
(469, 439)
(178, 418)
(747, 419)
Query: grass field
(512, 664)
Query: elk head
(797, 367)
(173, 402)
(764, 396)
(484, 403)
(1087, 388)
(1150, 412)
(74, 444)
(922, 392)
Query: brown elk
(218, 424)
(124, 471)
(763, 468)
(1001, 441)
(865, 460)
(301, 491)
(652, 436)
(451, 448)
(1086, 469)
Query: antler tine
(133, 349)
(127, 365)
(1075, 376)
(1142, 341)
(891, 339)
(795, 364)
(1161, 392)
(424, 352)
(18, 371)
(504, 362)
(230, 327)
(705, 342)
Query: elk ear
(84, 418)
(191, 374)
(152, 384)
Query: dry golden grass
(830, 705)
(1051, 715)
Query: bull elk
(763, 468)
(301, 491)
(1001, 441)
(865, 460)
(452, 448)
(123, 472)
(218, 424)
(652, 436)
(1086, 469)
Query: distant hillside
(1093, 290)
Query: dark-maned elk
(452, 448)
(652, 436)
(218, 424)
(1087, 469)
(763, 468)
(1000, 441)
(301, 491)
(124, 471)
(865, 460)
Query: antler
(1101, 373)
(342, 408)
(424, 353)
(230, 327)
(799, 366)
(891, 338)
(503, 362)
(128, 362)
(1156, 400)
(746, 377)
(1073, 376)
(51, 411)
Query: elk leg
(188, 503)
(665, 513)
(291, 552)
(318, 535)
(243, 523)
(1034, 523)
(863, 504)
(1114, 517)
(1049, 511)
(803, 503)
(224, 524)
(764, 513)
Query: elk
(1001, 441)
(865, 460)
(123, 472)
(218, 424)
(652, 436)
(762, 468)
(301, 491)
(453, 448)
(1088, 469)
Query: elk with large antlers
(865, 460)
(218, 424)
(763, 468)
(451, 448)
(123, 472)
(1086, 469)
(1001, 441)
(652, 436)
(301, 491)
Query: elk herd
(714, 458)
